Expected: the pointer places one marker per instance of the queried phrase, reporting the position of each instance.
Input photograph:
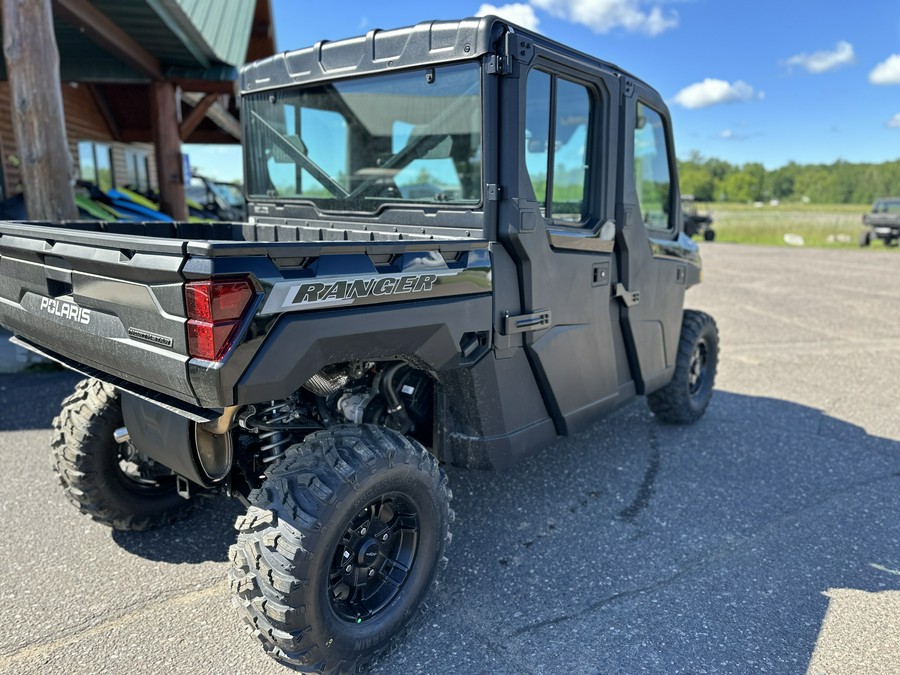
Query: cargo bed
(108, 298)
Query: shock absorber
(273, 444)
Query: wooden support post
(167, 141)
(32, 66)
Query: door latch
(526, 322)
(630, 298)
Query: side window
(137, 174)
(95, 164)
(537, 133)
(557, 119)
(651, 168)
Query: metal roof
(192, 39)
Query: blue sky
(769, 81)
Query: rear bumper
(171, 403)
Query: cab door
(654, 256)
(559, 228)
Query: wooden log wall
(84, 122)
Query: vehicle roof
(430, 42)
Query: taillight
(214, 309)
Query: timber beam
(105, 33)
(192, 121)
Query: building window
(95, 164)
(137, 172)
(557, 120)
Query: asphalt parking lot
(765, 538)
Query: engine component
(396, 411)
(325, 382)
(353, 406)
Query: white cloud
(732, 135)
(823, 61)
(517, 12)
(712, 92)
(894, 122)
(886, 72)
(601, 16)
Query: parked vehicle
(695, 222)
(224, 201)
(321, 361)
(882, 223)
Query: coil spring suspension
(274, 443)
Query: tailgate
(114, 303)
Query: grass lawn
(820, 225)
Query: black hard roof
(381, 50)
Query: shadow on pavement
(204, 536)
(31, 400)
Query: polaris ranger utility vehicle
(464, 241)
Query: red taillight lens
(214, 308)
(213, 300)
(209, 341)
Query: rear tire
(686, 397)
(340, 546)
(111, 482)
(865, 239)
(709, 234)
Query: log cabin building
(123, 65)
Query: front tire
(686, 397)
(112, 483)
(340, 546)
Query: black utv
(464, 240)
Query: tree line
(710, 179)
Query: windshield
(355, 145)
(229, 192)
(887, 206)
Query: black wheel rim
(697, 371)
(374, 558)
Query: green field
(820, 225)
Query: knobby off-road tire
(98, 475)
(685, 398)
(340, 546)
